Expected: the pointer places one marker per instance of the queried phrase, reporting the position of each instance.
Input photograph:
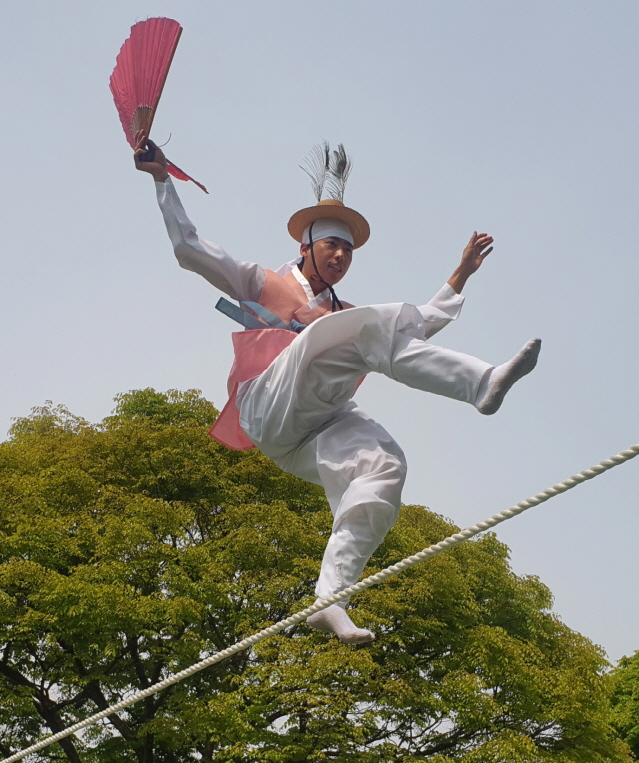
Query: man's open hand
(477, 249)
(157, 167)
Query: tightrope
(427, 553)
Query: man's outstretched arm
(240, 280)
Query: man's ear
(304, 250)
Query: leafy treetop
(132, 548)
(625, 701)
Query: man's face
(333, 257)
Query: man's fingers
(477, 244)
(140, 139)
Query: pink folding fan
(137, 81)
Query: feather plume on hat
(317, 167)
(339, 169)
(329, 170)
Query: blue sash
(265, 320)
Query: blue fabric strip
(266, 315)
(237, 314)
(244, 318)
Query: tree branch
(16, 678)
(132, 645)
(95, 693)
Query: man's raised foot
(499, 380)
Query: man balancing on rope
(300, 361)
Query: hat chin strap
(334, 300)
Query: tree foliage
(625, 701)
(131, 549)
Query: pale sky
(520, 119)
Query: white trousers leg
(362, 470)
(299, 413)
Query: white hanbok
(299, 411)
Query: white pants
(299, 413)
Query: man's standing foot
(334, 619)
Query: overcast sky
(520, 119)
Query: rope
(427, 553)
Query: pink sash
(254, 353)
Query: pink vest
(256, 349)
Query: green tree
(130, 549)
(625, 701)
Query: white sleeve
(443, 308)
(240, 280)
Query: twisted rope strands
(427, 553)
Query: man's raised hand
(476, 250)
(156, 167)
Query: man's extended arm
(240, 280)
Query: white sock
(334, 619)
(497, 382)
